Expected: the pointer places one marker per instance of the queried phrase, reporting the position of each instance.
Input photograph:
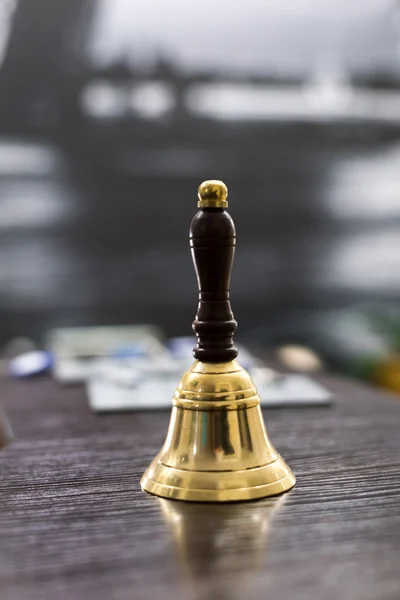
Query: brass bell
(217, 448)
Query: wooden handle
(212, 241)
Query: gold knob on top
(213, 194)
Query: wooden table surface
(75, 524)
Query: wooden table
(75, 524)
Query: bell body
(217, 448)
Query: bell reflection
(228, 539)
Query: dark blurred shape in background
(113, 111)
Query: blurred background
(112, 112)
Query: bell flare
(217, 448)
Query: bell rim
(187, 490)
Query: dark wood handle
(212, 241)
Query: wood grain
(74, 523)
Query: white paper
(156, 393)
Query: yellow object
(213, 194)
(386, 373)
(217, 448)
